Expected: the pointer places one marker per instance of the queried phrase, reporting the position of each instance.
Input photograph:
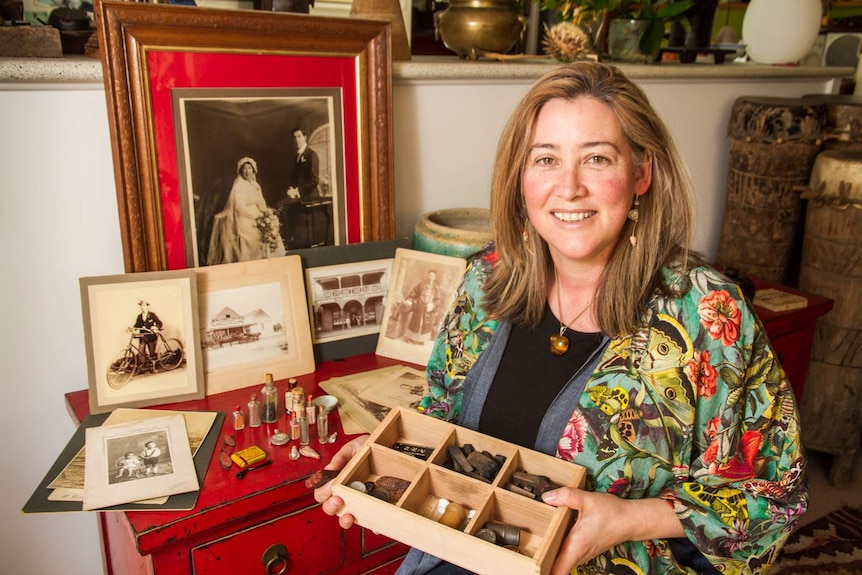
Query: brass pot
(470, 27)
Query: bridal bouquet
(269, 225)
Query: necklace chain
(565, 326)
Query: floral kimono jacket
(693, 408)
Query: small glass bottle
(288, 403)
(298, 400)
(294, 427)
(238, 419)
(269, 395)
(254, 411)
(322, 424)
(310, 411)
(303, 431)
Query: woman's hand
(331, 504)
(605, 520)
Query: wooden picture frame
(122, 371)
(254, 321)
(149, 50)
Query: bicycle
(134, 358)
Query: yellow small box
(248, 456)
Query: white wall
(58, 222)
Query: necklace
(559, 341)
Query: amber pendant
(559, 344)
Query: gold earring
(525, 236)
(633, 216)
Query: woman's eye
(545, 161)
(598, 160)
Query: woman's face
(246, 171)
(580, 181)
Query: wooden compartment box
(542, 526)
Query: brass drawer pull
(274, 557)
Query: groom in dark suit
(306, 171)
(303, 189)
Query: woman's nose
(571, 184)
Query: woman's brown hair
(518, 287)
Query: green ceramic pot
(458, 232)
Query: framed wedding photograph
(346, 288)
(254, 321)
(288, 92)
(422, 290)
(142, 339)
(291, 139)
(138, 460)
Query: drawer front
(372, 542)
(313, 543)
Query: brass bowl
(471, 27)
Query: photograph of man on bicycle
(148, 350)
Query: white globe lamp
(780, 31)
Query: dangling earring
(525, 236)
(633, 216)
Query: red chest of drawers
(237, 525)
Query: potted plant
(597, 15)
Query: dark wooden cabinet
(236, 521)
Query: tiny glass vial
(310, 411)
(303, 431)
(298, 400)
(269, 395)
(288, 402)
(253, 411)
(238, 419)
(294, 427)
(322, 424)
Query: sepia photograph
(137, 460)
(404, 388)
(68, 485)
(346, 301)
(253, 321)
(141, 335)
(420, 294)
(261, 171)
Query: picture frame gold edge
(127, 30)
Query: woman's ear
(643, 177)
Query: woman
(659, 379)
(246, 229)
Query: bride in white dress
(246, 229)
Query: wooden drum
(843, 120)
(774, 142)
(832, 266)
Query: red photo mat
(172, 69)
